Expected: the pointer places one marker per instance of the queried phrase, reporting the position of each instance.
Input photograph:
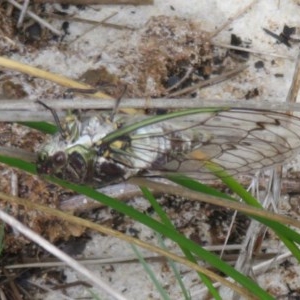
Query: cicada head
(78, 155)
(74, 164)
(79, 164)
(65, 159)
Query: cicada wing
(243, 142)
(239, 141)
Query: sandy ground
(126, 54)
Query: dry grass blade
(58, 253)
(261, 52)
(265, 265)
(23, 107)
(18, 153)
(103, 23)
(294, 89)
(111, 232)
(164, 188)
(209, 82)
(59, 79)
(234, 17)
(124, 191)
(93, 27)
(110, 260)
(23, 12)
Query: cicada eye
(59, 159)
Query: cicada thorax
(148, 148)
(108, 165)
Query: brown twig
(209, 82)
(23, 13)
(260, 52)
(92, 28)
(36, 18)
(102, 23)
(184, 78)
(231, 19)
(295, 86)
(125, 191)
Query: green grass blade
(19, 163)
(281, 229)
(41, 126)
(156, 119)
(151, 274)
(165, 219)
(250, 200)
(197, 186)
(176, 272)
(94, 295)
(121, 207)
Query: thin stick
(294, 89)
(86, 21)
(36, 18)
(112, 260)
(231, 19)
(12, 112)
(36, 72)
(18, 153)
(27, 116)
(290, 57)
(93, 27)
(59, 254)
(197, 196)
(128, 239)
(184, 78)
(209, 82)
(125, 191)
(23, 13)
(265, 265)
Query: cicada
(98, 151)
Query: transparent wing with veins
(239, 141)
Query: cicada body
(99, 152)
